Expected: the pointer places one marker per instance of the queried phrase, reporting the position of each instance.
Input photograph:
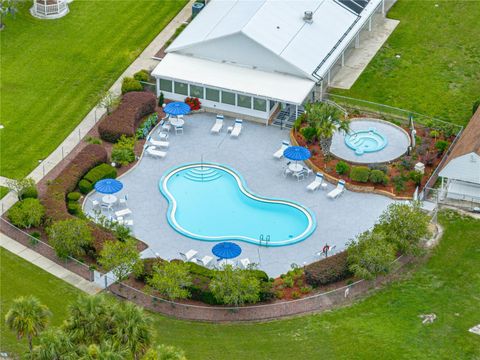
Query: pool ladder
(264, 240)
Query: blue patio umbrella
(226, 250)
(297, 153)
(176, 108)
(108, 186)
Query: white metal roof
(275, 86)
(463, 168)
(278, 27)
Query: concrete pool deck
(251, 155)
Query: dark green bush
(360, 173)
(74, 196)
(85, 186)
(74, 208)
(142, 75)
(332, 269)
(381, 167)
(161, 99)
(407, 163)
(378, 177)
(441, 146)
(342, 168)
(399, 183)
(416, 177)
(130, 84)
(30, 193)
(309, 133)
(102, 171)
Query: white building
(250, 56)
(462, 169)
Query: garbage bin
(196, 8)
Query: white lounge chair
(205, 261)
(164, 144)
(317, 183)
(279, 153)
(155, 153)
(245, 263)
(189, 255)
(122, 213)
(237, 128)
(218, 125)
(126, 222)
(338, 190)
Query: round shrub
(378, 177)
(74, 208)
(102, 171)
(74, 196)
(30, 193)
(434, 134)
(342, 168)
(141, 75)
(26, 213)
(441, 146)
(416, 177)
(360, 173)
(85, 186)
(131, 84)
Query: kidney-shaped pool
(211, 202)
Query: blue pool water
(366, 141)
(211, 202)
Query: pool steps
(202, 175)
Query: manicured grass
(3, 191)
(382, 326)
(437, 73)
(53, 71)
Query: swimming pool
(211, 202)
(366, 141)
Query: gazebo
(50, 9)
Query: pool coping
(242, 185)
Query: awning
(274, 86)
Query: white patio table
(177, 122)
(295, 167)
(109, 199)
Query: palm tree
(165, 352)
(27, 317)
(54, 345)
(327, 119)
(132, 328)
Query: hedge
(126, 117)
(54, 198)
(329, 270)
(130, 84)
(30, 193)
(102, 171)
(85, 186)
(360, 173)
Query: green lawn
(3, 191)
(438, 72)
(52, 71)
(383, 326)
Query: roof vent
(308, 17)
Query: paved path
(144, 61)
(48, 265)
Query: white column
(357, 41)
(158, 86)
(370, 23)
(296, 111)
(321, 90)
(343, 58)
(328, 77)
(383, 7)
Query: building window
(260, 104)
(272, 104)
(196, 91)
(181, 88)
(228, 98)
(212, 94)
(244, 101)
(166, 85)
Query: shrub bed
(125, 118)
(332, 269)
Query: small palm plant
(327, 119)
(27, 317)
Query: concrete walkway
(144, 61)
(48, 265)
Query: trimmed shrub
(399, 183)
(332, 269)
(142, 75)
(441, 146)
(74, 196)
(85, 186)
(30, 193)
(381, 167)
(360, 173)
(127, 116)
(309, 133)
(378, 177)
(342, 168)
(123, 151)
(26, 213)
(161, 99)
(102, 171)
(130, 84)
(416, 177)
(74, 208)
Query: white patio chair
(189, 255)
(107, 207)
(205, 261)
(178, 130)
(338, 190)
(300, 175)
(245, 263)
(123, 201)
(308, 170)
(95, 204)
(317, 183)
(166, 126)
(237, 128)
(155, 153)
(279, 153)
(160, 143)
